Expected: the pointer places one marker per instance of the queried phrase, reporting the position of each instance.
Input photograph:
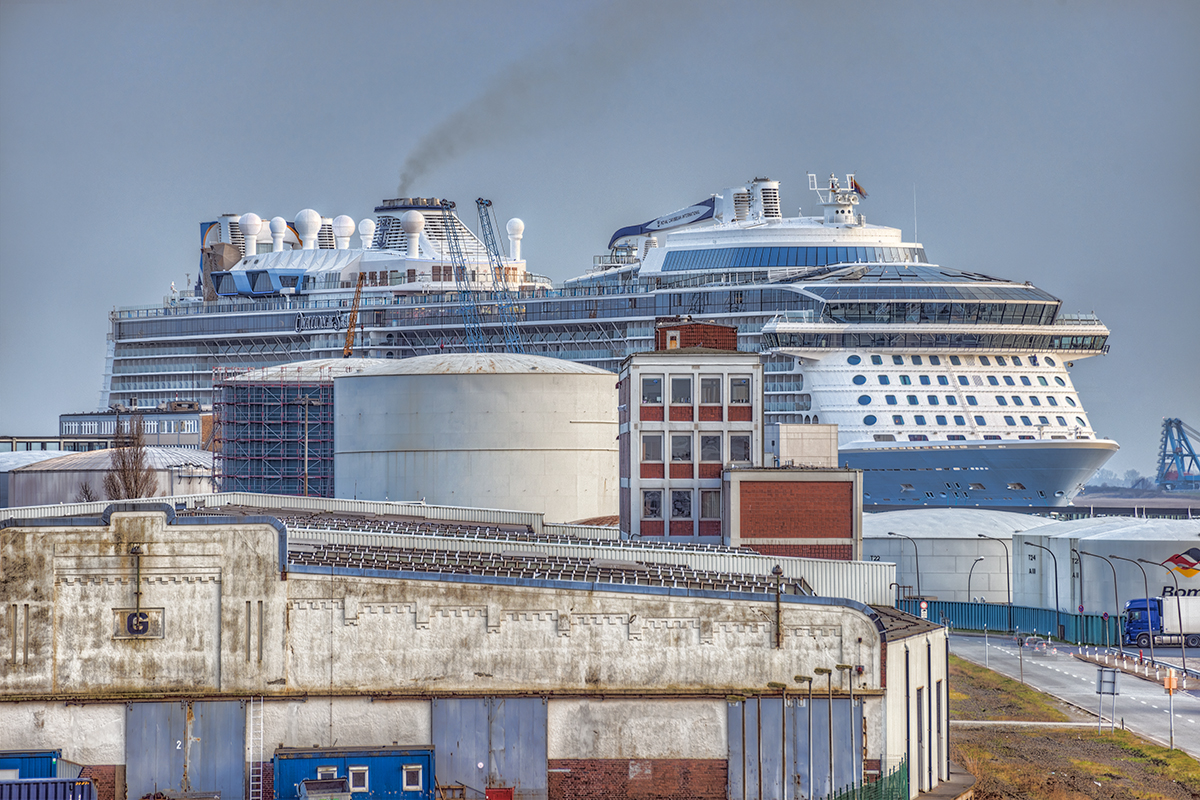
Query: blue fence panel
(1083, 628)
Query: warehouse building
(76, 476)
(543, 658)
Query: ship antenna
(915, 237)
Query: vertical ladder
(256, 748)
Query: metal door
(185, 746)
(489, 742)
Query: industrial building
(12, 461)
(544, 658)
(69, 478)
(179, 423)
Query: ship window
(859, 380)
(710, 504)
(1081, 422)
(956, 361)
(959, 420)
(971, 401)
(943, 380)
(853, 360)
(710, 391)
(991, 436)
(993, 380)
(1001, 362)
(979, 420)
(940, 419)
(652, 390)
(1059, 381)
(935, 361)
(924, 380)
(1025, 380)
(898, 360)
(984, 361)
(1061, 421)
(681, 447)
(1033, 360)
(710, 448)
(652, 447)
(905, 380)
(918, 437)
(1025, 421)
(890, 399)
(1017, 401)
(897, 419)
(951, 400)
(1008, 381)
(1052, 401)
(876, 360)
(962, 380)
(906, 487)
(916, 360)
(739, 390)
(884, 437)
(912, 399)
(884, 380)
(1042, 380)
(919, 419)
(869, 419)
(1033, 401)
(1050, 361)
(933, 399)
(1000, 399)
(1009, 421)
(956, 437)
(1070, 401)
(739, 447)
(681, 504)
(1043, 421)
(681, 391)
(978, 487)
(652, 504)
(864, 400)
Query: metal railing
(1091, 629)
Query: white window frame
(409, 770)
(354, 772)
(326, 773)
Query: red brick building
(810, 513)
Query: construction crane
(505, 303)
(348, 348)
(468, 304)
(1178, 467)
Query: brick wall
(268, 775)
(697, 334)
(796, 509)
(836, 552)
(626, 779)
(109, 780)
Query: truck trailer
(1166, 620)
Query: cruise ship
(949, 387)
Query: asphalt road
(1142, 705)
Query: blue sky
(1050, 142)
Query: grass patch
(978, 693)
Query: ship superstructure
(926, 369)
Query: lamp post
(847, 670)
(969, 576)
(829, 678)
(1116, 599)
(808, 679)
(916, 556)
(1146, 586)
(1007, 573)
(1178, 610)
(307, 401)
(1057, 605)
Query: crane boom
(1178, 466)
(504, 298)
(348, 348)
(467, 303)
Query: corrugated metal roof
(11, 461)
(950, 523)
(156, 458)
(1125, 528)
(439, 364)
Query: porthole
(859, 380)
(869, 419)
(864, 400)
(1082, 424)
(853, 360)
(1059, 381)
(1070, 402)
(1050, 361)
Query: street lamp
(916, 556)
(1146, 586)
(1007, 573)
(1116, 599)
(1057, 605)
(307, 401)
(970, 574)
(847, 669)
(1178, 610)
(829, 678)
(808, 679)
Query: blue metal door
(487, 742)
(186, 746)
(155, 734)
(216, 760)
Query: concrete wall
(529, 442)
(808, 445)
(945, 566)
(917, 670)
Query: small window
(935, 361)
(1033, 401)
(898, 360)
(993, 380)
(710, 391)
(951, 400)
(940, 419)
(1025, 421)
(1001, 400)
(864, 400)
(897, 419)
(912, 399)
(1061, 421)
(1059, 381)
(877, 360)
(1016, 361)
(905, 380)
(1008, 381)
(971, 401)
(962, 380)
(681, 504)
(1043, 420)
(710, 504)
(924, 380)
(943, 380)
(1052, 400)
(916, 360)
(1001, 362)
(918, 437)
(1080, 421)
(739, 390)
(652, 504)
(739, 447)
(1042, 380)
(933, 399)
(884, 380)
(1025, 380)
(1016, 487)
(1017, 401)
(412, 778)
(956, 361)
(853, 360)
(652, 447)
(652, 390)
(681, 447)
(956, 437)
(991, 436)
(959, 420)
(681, 391)
(979, 420)
(890, 399)
(326, 773)
(869, 419)
(977, 487)
(1050, 361)
(1033, 360)
(672, 340)
(859, 380)
(1009, 421)
(919, 419)
(984, 361)
(710, 448)
(1070, 401)
(358, 779)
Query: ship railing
(1077, 319)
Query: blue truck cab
(1143, 619)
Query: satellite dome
(250, 224)
(366, 227)
(343, 226)
(515, 227)
(412, 222)
(308, 223)
(278, 225)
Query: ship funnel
(278, 231)
(366, 232)
(413, 222)
(764, 199)
(250, 225)
(343, 229)
(308, 223)
(516, 229)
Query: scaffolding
(273, 430)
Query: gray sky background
(1049, 142)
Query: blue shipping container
(375, 773)
(48, 789)
(29, 763)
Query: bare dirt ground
(1053, 763)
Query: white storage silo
(487, 430)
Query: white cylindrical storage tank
(487, 430)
